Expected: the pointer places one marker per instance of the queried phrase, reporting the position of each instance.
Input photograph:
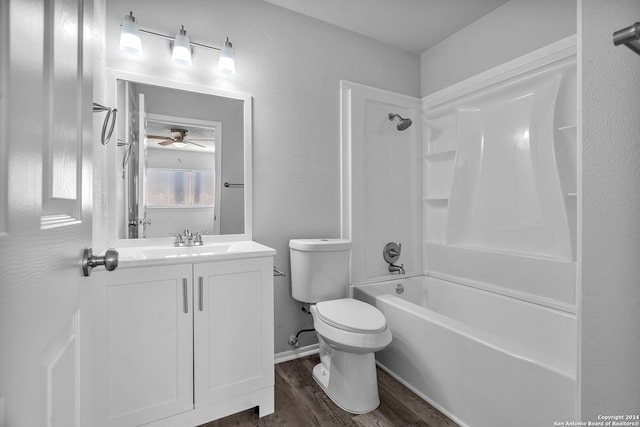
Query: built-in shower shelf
(571, 194)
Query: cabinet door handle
(185, 295)
(200, 288)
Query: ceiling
(412, 25)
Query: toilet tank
(319, 269)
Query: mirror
(183, 160)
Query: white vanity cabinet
(233, 329)
(183, 344)
(143, 344)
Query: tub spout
(396, 268)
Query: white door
(45, 209)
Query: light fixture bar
(170, 38)
(180, 44)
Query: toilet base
(350, 381)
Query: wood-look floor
(300, 402)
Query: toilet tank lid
(320, 245)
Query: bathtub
(481, 358)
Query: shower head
(402, 123)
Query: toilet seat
(351, 315)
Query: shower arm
(402, 122)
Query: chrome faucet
(396, 268)
(197, 239)
(188, 239)
(179, 240)
(391, 253)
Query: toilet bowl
(347, 368)
(349, 331)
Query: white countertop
(143, 256)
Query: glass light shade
(181, 53)
(130, 41)
(226, 63)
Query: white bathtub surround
(500, 181)
(380, 179)
(481, 358)
(497, 191)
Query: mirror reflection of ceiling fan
(178, 137)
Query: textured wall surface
(292, 66)
(516, 28)
(610, 206)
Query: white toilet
(349, 331)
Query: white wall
(516, 28)
(292, 66)
(610, 207)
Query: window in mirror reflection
(203, 188)
(180, 173)
(180, 188)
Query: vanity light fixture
(130, 36)
(226, 63)
(181, 50)
(181, 46)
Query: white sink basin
(181, 252)
(155, 255)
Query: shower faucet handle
(391, 252)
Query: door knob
(89, 260)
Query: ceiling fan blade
(167, 142)
(158, 137)
(202, 139)
(188, 141)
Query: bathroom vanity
(184, 335)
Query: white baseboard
(285, 356)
